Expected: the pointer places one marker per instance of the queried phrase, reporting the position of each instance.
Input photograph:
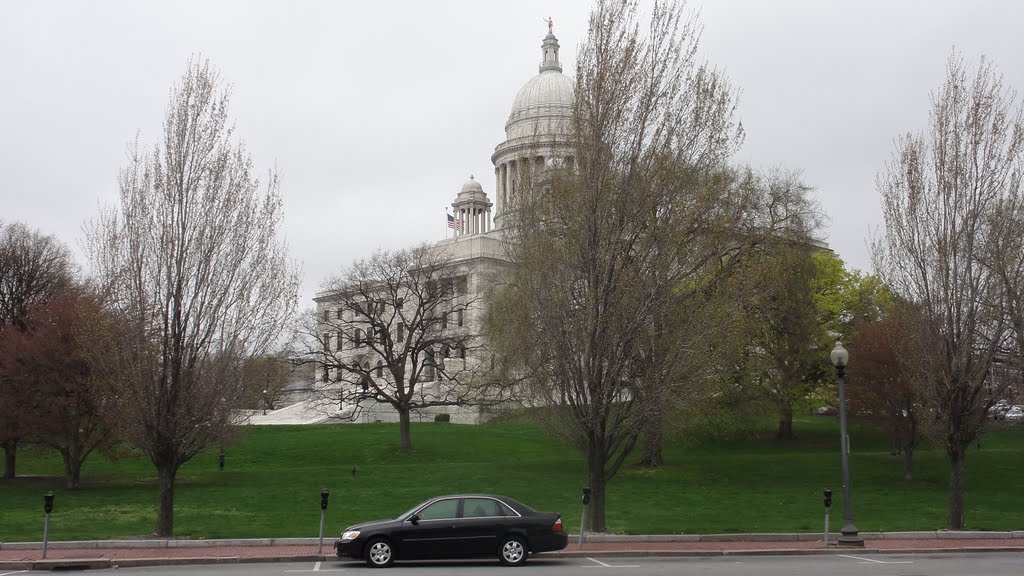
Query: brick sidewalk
(149, 553)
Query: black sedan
(457, 526)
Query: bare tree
(618, 300)
(194, 269)
(33, 268)
(400, 329)
(941, 197)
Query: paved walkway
(125, 553)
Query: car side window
(506, 510)
(481, 508)
(447, 508)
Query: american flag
(452, 222)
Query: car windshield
(405, 515)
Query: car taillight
(558, 525)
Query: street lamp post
(849, 536)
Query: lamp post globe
(849, 534)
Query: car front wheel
(513, 551)
(379, 553)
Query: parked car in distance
(999, 409)
(456, 526)
(1015, 413)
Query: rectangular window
(359, 338)
(461, 317)
(327, 314)
(327, 341)
(340, 340)
(444, 320)
(337, 314)
(401, 331)
(428, 366)
(461, 286)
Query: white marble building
(535, 137)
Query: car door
(432, 534)
(480, 526)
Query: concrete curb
(592, 538)
(100, 563)
(759, 545)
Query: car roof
(519, 506)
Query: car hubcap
(513, 551)
(380, 553)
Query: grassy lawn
(273, 478)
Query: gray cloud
(376, 113)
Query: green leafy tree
(801, 299)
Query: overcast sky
(376, 112)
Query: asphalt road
(988, 564)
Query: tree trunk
(653, 429)
(908, 461)
(785, 431)
(896, 439)
(10, 456)
(957, 455)
(405, 437)
(595, 510)
(165, 515)
(72, 469)
(909, 442)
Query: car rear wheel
(379, 553)
(513, 551)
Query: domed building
(536, 136)
(538, 127)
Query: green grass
(273, 478)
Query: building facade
(536, 137)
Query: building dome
(471, 187)
(538, 133)
(543, 107)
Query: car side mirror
(415, 519)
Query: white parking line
(603, 565)
(316, 568)
(869, 560)
(15, 572)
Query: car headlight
(350, 535)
